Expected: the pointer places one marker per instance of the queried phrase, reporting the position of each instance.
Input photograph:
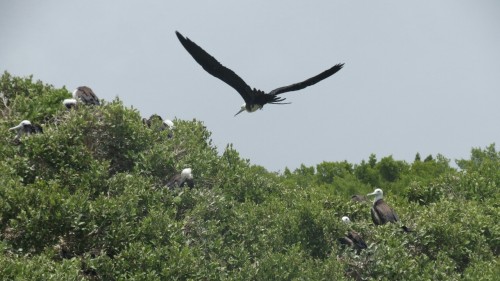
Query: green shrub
(86, 200)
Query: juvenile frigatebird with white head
(166, 124)
(352, 239)
(381, 212)
(254, 98)
(25, 127)
(70, 103)
(169, 124)
(185, 177)
(86, 96)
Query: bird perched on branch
(185, 177)
(381, 212)
(352, 239)
(26, 128)
(165, 124)
(85, 95)
(70, 103)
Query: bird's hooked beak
(370, 194)
(241, 110)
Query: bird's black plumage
(151, 119)
(253, 97)
(155, 118)
(178, 181)
(382, 213)
(86, 95)
(25, 128)
(353, 239)
(185, 177)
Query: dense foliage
(86, 200)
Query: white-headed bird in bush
(185, 177)
(381, 212)
(352, 239)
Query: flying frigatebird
(254, 98)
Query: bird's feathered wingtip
(181, 37)
(337, 67)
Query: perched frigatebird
(381, 212)
(86, 96)
(70, 103)
(165, 124)
(25, 127)
(185, 177)
(254, 98)
(352, 239)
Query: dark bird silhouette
(37, 129)
(185, 177)
(26, 128)
(86, 96)
(148, 122)
(165, 124)
(254, 98)
(381, 212)
(352, 239)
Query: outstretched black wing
(311, 81)
(212, 66)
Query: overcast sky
(419, 76)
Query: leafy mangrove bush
(86, 200)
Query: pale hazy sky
(419, 76)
